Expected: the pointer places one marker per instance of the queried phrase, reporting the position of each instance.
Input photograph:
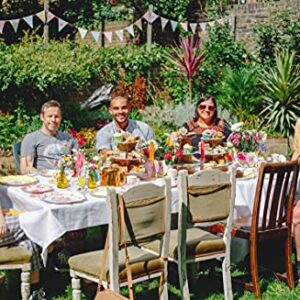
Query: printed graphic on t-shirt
(54, 152)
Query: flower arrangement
(64, 162)
(85, 137)
(247, 141)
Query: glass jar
(92, 180)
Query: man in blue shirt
(119, 109)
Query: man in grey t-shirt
(119, 109)
(43, 148)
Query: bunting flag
(193, 26)
(184, 25)
(153, 17)
(108, 35)
(2, 23)
(61, 24)
(50, 16)
(164, 23)
(203, 26)
(138, 24)
(96, 35)
(82, 32)
(41, 16)
(29, 21)
(173, 25)
(149, 16)
(15, 23)
(120, 34)
(130, 29)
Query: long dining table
(44, 222)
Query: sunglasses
(209, 107)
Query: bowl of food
(127, 146)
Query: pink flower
(179, 153)
(247, 137)
(241, 156)
(168, 156)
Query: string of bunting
(149, 17)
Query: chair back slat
(271, 209)
(145, 213)
(208, 196)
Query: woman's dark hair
(214, 119)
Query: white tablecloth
(43, 222)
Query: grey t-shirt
(46, 150)
(104, 137)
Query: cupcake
(207, 134)
(118, 137)
(187, 149)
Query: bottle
(62, 180)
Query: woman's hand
(3, 227)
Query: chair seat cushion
(14, 255)
(142, 263)
(199, 243)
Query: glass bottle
(62, 180)
(92, 180)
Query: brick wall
(247, 15)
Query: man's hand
(3, 227)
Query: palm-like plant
(281, 94)
(188, 58)
(238, 93)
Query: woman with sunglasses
(206, 117)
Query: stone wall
(248, 15)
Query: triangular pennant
(15, 23)
(108, 35)
(184, 25)
(211, 23)
(130, 29)
(153, 17)
(2, 23)
(203, 26)
(96, 35)
(164, 23)
(29, 21)
(147, 16)
(50, 16)
(173, 25)
(138, 24)
(120, 34)
(41, 16)
(61, 24)
(82, 32)
(193, 27)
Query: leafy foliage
(238, 93)
(280, 32)
(281, 93)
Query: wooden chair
(205, 198)
(272, 215)
(12, 258)
(147, 215)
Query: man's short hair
(118, 97)
(50, 103)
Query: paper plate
(37, 188)
(247, 176)
(17, 180)
(100, 192)
(63, 197)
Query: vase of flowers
(246, 146)
(61, 178)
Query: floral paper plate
(248, 173)
(63, 197)
(17, 180)
(37, 189)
